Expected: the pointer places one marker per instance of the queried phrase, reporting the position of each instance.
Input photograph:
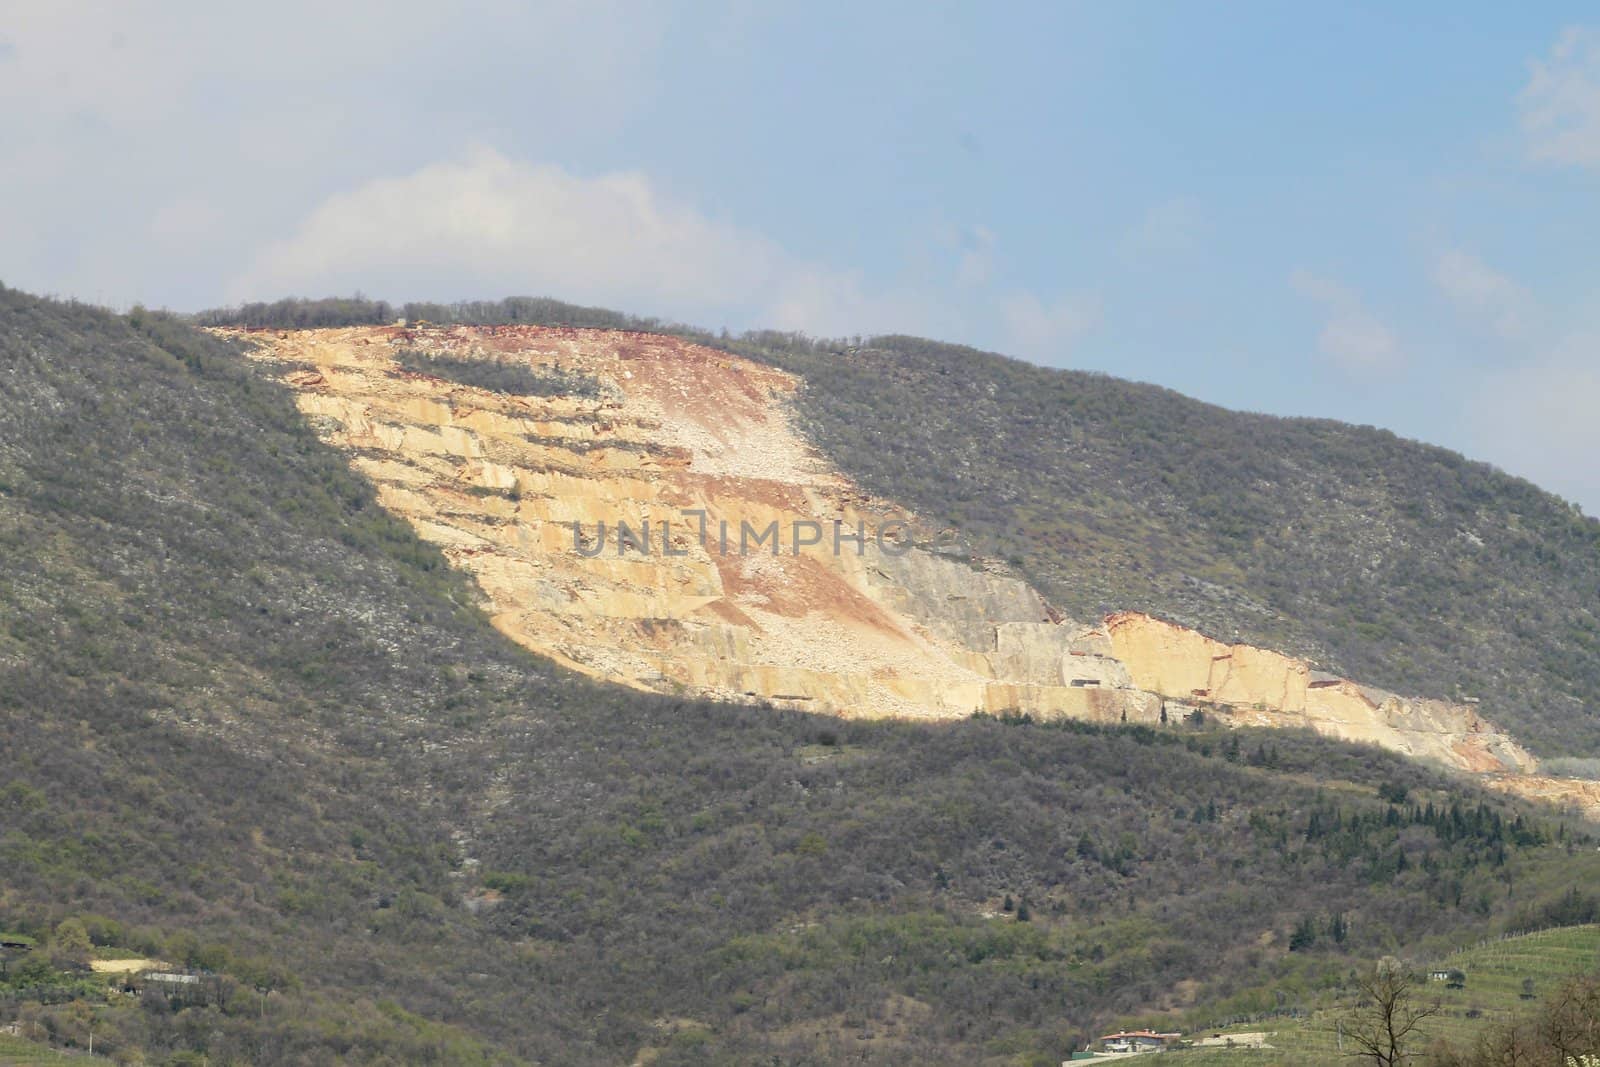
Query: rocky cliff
(671, 529)
(1264, 688)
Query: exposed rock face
(1271, 689)
(681, 435)
(1579, 796)
(692, 438)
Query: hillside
(1398, 563)
(1379, 558)
(753, 567)
(1502, 982)
(250, 724)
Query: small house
(1135, 1041)
(178, 987)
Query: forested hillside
(1383, 559)
(250, 725)
(1399, 563)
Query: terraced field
(15, 1052)
(1493, 993)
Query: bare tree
(1385, 1019)
(1569, 1025)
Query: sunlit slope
(699, 449)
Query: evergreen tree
(1304, 935)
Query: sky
(1384, 214)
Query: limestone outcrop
(751, 568)
(696, 453)
(1263, 688)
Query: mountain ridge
(1397, 562)
(251, 725)
(666, 428)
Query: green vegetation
(1397, 563)
(293, 314)
(1573, 767)
(252, 726)
(500, 377)
(19, 1052)
(1481, 995)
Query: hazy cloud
(1351, 335)
(162, 143)
(135, 63)
(1046, 332)
(1560, 106)
(1539, 419)
(488, 224)
(1485, 294)
(1167, 228)
(977, 256)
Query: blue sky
(1382, 214)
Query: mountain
(1401, 564)
(252, 725)
(742, 563)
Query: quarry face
(677, 440)
(683, 439)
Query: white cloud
(486, 224)
(134, 63)
(485, 220)
(187, 221)
(977, 256)
(1045, 332)
(1484, 293)
(148, 121)
(1542, 419)
(182, 153)
(1560, 106)
(1168, 228)
(829, 303)
(1351, 336)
